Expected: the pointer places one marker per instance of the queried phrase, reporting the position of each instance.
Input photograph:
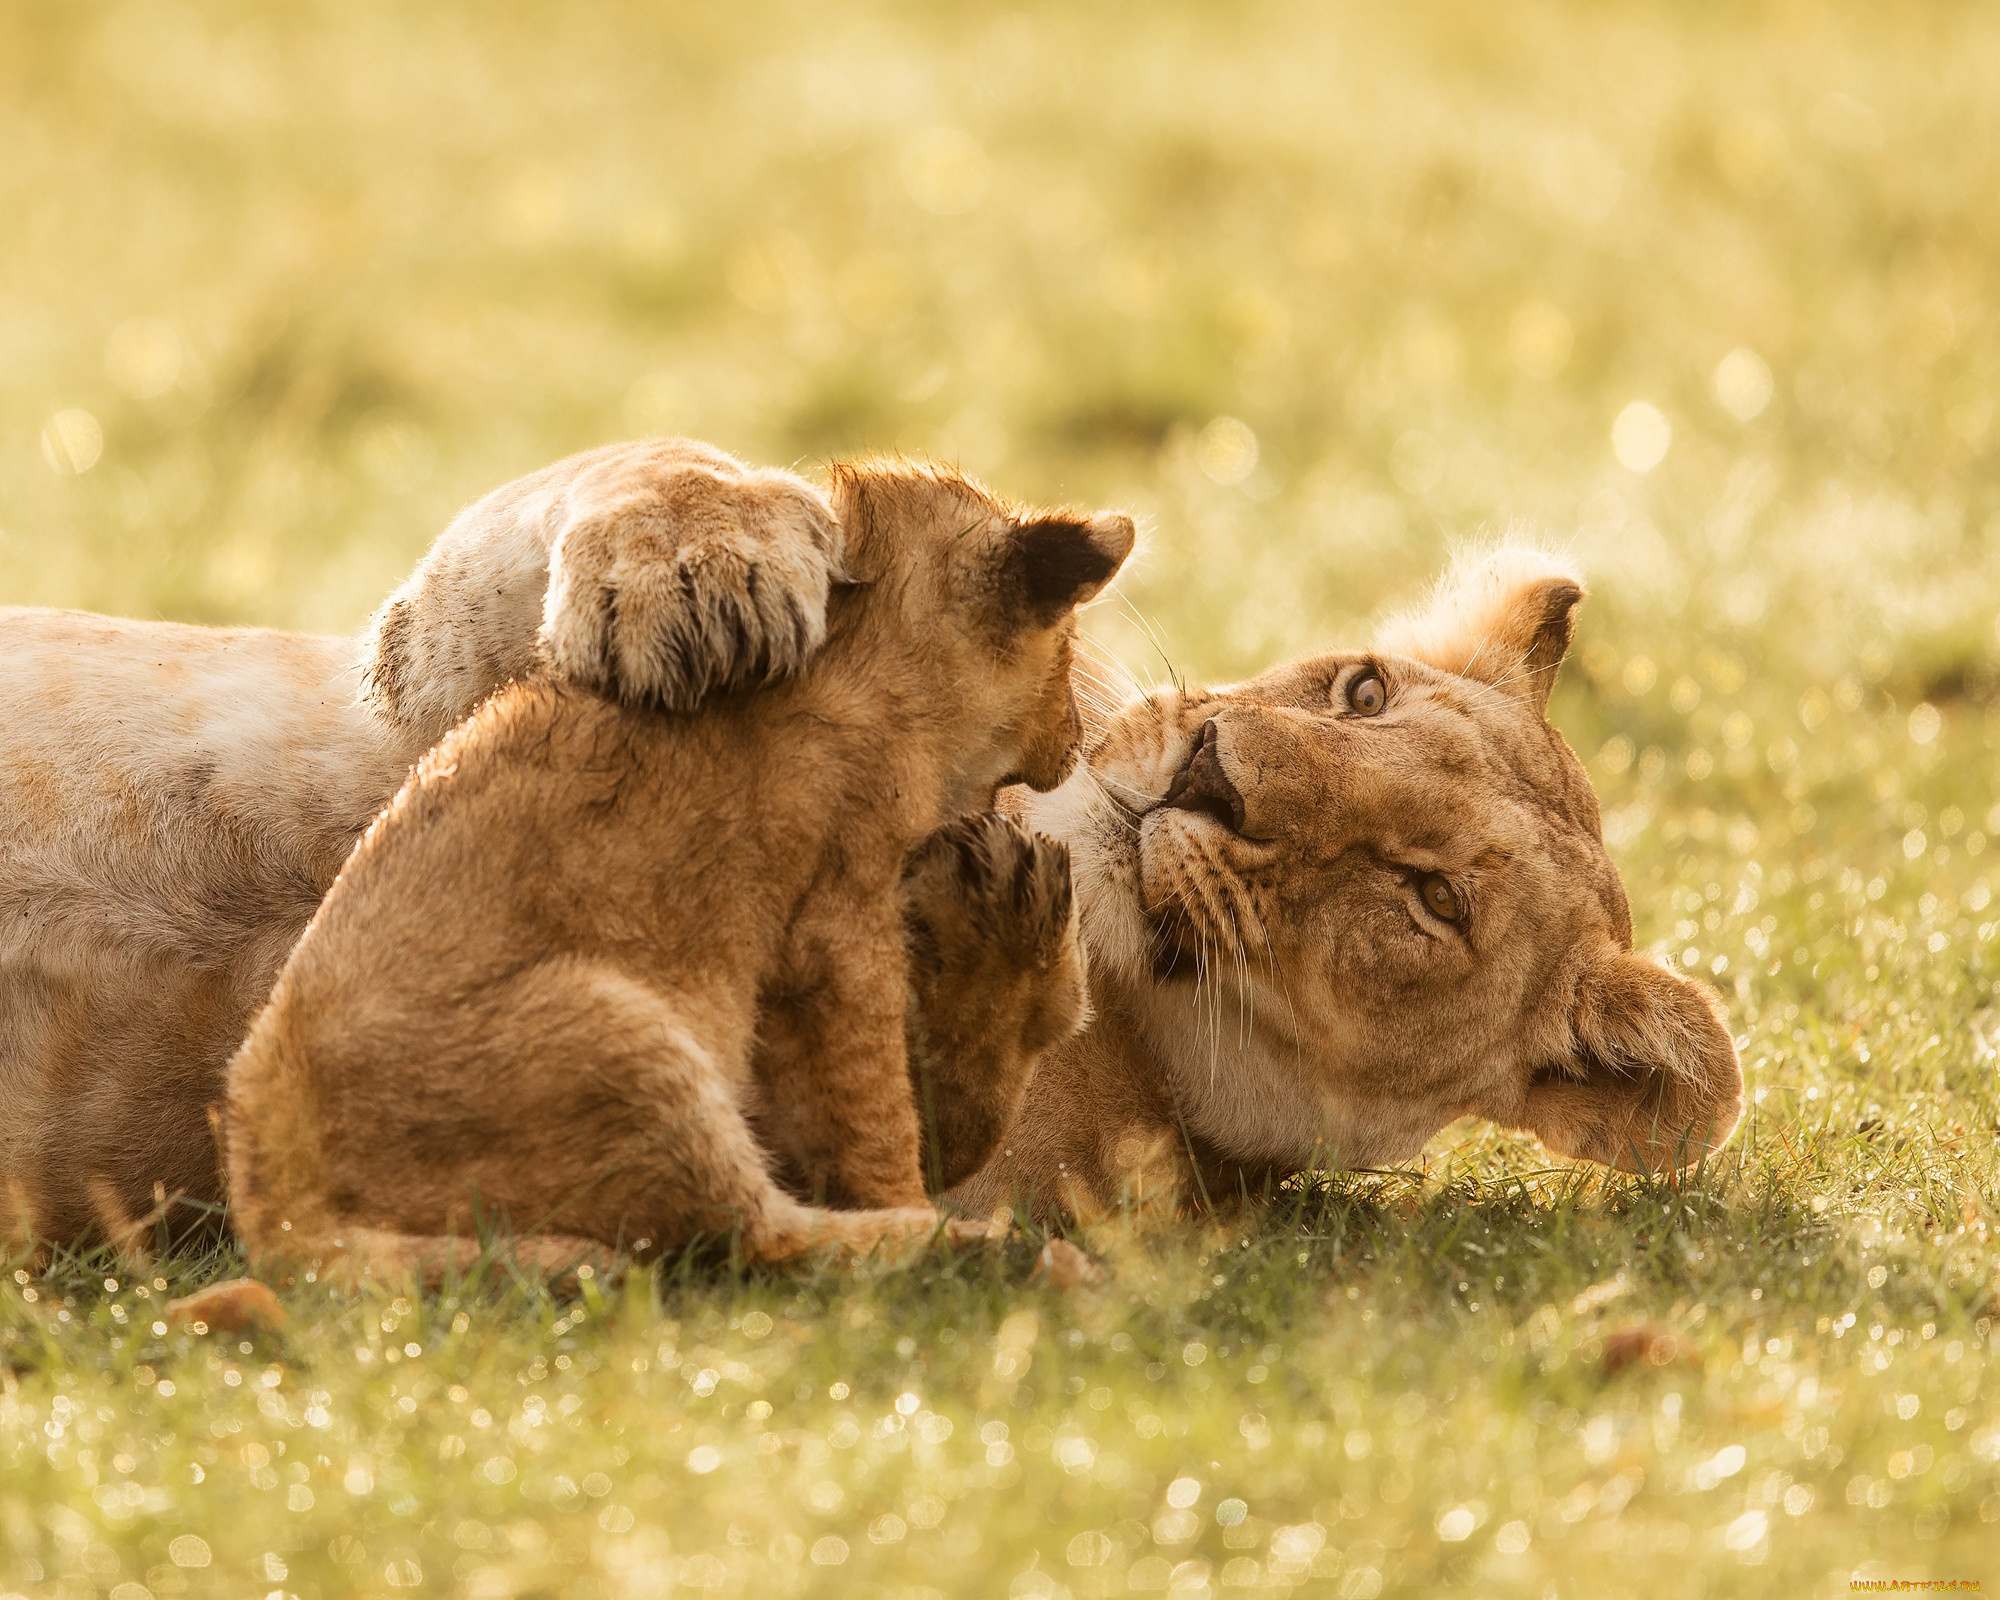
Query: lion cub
(538, 988)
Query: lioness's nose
(1203, 786)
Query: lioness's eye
(1367, 695)
(1437, 896)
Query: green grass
(1321, 292)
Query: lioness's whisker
(1102, 667)
(1153, 638)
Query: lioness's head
(1367, 893)
(995, 588)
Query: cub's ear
(1054, 562)
(1503, 618)
(1651, 1082)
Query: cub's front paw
(984, 894)
(997, 979)
(690, 580)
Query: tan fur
(1270, 989)
(175, 801)
(587, 942)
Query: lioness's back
(151, 748)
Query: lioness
(1332, 909)
(542, 979)
(175, 801)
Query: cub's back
(553, 819)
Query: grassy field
(1706, 293)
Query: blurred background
(1705, 293)
(1708, 293)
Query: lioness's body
(174, 802)
(589, 943)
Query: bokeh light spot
(1641, 437)
(189, 1550)
(830, 1551)
(1226, 450)
(1743, 383)
(72, 441)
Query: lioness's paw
(983, 890)
(691, 583)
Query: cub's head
(986, 593)
(1367, 893)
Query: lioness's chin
(1101, 835)
(1102, 816)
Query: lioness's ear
(1503, 618)
(1054, 562)
(1651, 1082)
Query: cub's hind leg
(584, 1105)
(578, 1100)
(676, 1160)
(358, 1254)
(779, 1230)
(696, 1170)
(790, 1229)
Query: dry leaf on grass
(1647, 1342)
(1062, 1266)
(238, 1305)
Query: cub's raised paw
(996, 980)
(683, 579)
(984, 892)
